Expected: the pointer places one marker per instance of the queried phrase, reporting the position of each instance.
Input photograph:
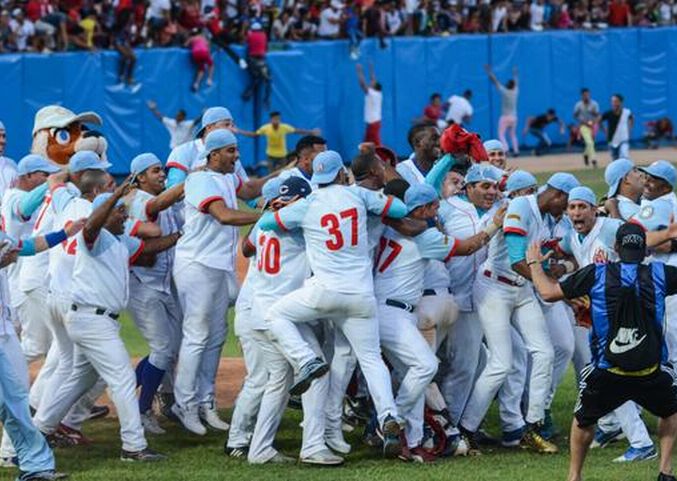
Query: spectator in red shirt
(433, 111)
(620, 14)
(257, 47)
(189, 17)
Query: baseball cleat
(604, 438)
(98, 412)
(335, 441)
(511, 439)
(323, 458)
(9, 462)
(58, 440)
(390, 436)
(78, 438)
(209, 414)
(486, 439)
(666, 477)
(144, 456)
(456, 446)
(240, 452)
(471, 440)
(548, 430)
(534, 441)
(49, 475)
(189, 419)
(280, 458)
(309, 372)
(634, 454)
(150, 423)
(416, 455)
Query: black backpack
(634, 341)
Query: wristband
(569, 267)
(491, 229)
(55, 238)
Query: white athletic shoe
(280, 458)
(210, 415)
(334, 440)
(150, 423)
(8, 462)
(323, 458)
(242, 63)
(190, 419)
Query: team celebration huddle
(398, 297)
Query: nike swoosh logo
(621, 347)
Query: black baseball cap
(294, 187)
(631, 243)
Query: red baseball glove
(457, 140)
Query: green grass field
(196, 458)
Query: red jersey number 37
(332, 223)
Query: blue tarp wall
(315, 85)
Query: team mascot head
(58, 133)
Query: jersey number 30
(333, 225)
(269, 255)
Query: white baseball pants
(204, 297)
(436, 314)
(563, 342)
(512, 391)
(412, 358)
(342, 366)
(497, 303)
(99, 351)
(354, 314)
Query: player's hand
(124, 188)
(366, 147)
(74, 227)
(151, 104)
(57, 178)
(534, 254)
(9, 257)
(499, 215)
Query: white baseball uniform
(334, 225)
(100, 291)
(204, 257)
(503, 297)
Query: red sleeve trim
(452, 251)
(248, 243)
(135, 256)
(135, 228)
(239, 184)
(150, 216)
(636, 222)
(514, 230)
(279, 222)
(386, 208)
(54, 188)
(176, 165)
(204, 205)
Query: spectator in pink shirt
(202, 58)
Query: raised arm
(165, 200)
(515, 76)
(439, 171)
(372, 74)
(360, 78)
(246, 133)
(152, 105)
(492, 77)
(98, 218)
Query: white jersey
(656, 215)
(7, 174)
(18, 227)
(464, 221)
(205, 240)
(436, 275)
(68, 208)
(35, 269)
(597, 246)
(334, 223)
(101, 271)
(296, 172)
(185, 157)
(159, 276)
(244, 300)
(282, 266)
(401, 263)
(627, 207)
(523, 217)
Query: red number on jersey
(69, 245)
(333, 226)
(395, 251)
(269, 255)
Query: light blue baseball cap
(2, 126)
(493, 144)
(213, 115)
(271, 189)
(35, 163)
(86, 160)
(483, 173)
(142, 162)
(520, 179)
(615, 172)
(216, 140)
(583, 193)
(326, 166)
(563, 181)
(418, 195)
(101, 198)
(662, 169)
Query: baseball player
(249, 398)
(626, 185)
(69, 202)
(306, 149)
(398, 286)
(205, 256)
(33, 455)
(7, 165)
(100, 290)
(19, 213)
(504, 296)
(152, 301)
(496, 153)
(333, 220)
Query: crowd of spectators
(57, 25)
